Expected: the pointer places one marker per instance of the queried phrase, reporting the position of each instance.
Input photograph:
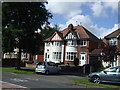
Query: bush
(76, 61)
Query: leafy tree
(19, 23)
(109, 53)
(76, 61)
(47, 31)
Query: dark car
(111, 75)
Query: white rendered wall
(71, 48)
(62, 54)
(50, 49)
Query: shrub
(76, 61)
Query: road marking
(12, 84)
(14, 73)
(18, 80)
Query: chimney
(70, 27)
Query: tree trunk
(19, 60)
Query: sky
(99, 17)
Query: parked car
(111, 75)
(47, 67)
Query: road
(41, 81)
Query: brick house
(113, 39)
(74, 41)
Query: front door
(82, 59)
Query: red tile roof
(113, 34)
(83, 33)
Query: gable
(56, 37)
(70, 35)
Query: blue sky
(100, 18)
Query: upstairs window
(72, 43)
(113, 41)
(83, 43)
(47, 44)
(57, 43)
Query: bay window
(70, 56)
(56, 55)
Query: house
(113, 39)
(14, 54)
(74, 41)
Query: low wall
(30, 66)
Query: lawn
(24, 71)
(85, 81)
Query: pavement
(6, 85)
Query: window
(56, 55)
(51, 63)
(70, 56)
(114, 69)
(57, 43)
(72, 43)
(113, 41)
(47, 44)
(83, 43)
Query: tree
(19, 23)
(47, 31)
(109, 53)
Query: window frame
(56, 55)
(113, 41)
(72, 43)
(83, 42)
(70, 56)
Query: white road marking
(18, 80)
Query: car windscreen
(40, 63)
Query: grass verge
(23, 71)
(85, 81)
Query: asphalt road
(41, 81)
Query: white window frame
(70, 56)
(56, 56)
(47, 44)
(57, 43)
(72, 43)
(113, 41)
(83, 42)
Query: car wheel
(96, 79)
(47, 72)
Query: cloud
(67, 9)
(80, 19)
(112, 5)
(71, 8)
(98, 9)
(73, 14)
(86, 22)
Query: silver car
(47, 67)
(111, 75)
